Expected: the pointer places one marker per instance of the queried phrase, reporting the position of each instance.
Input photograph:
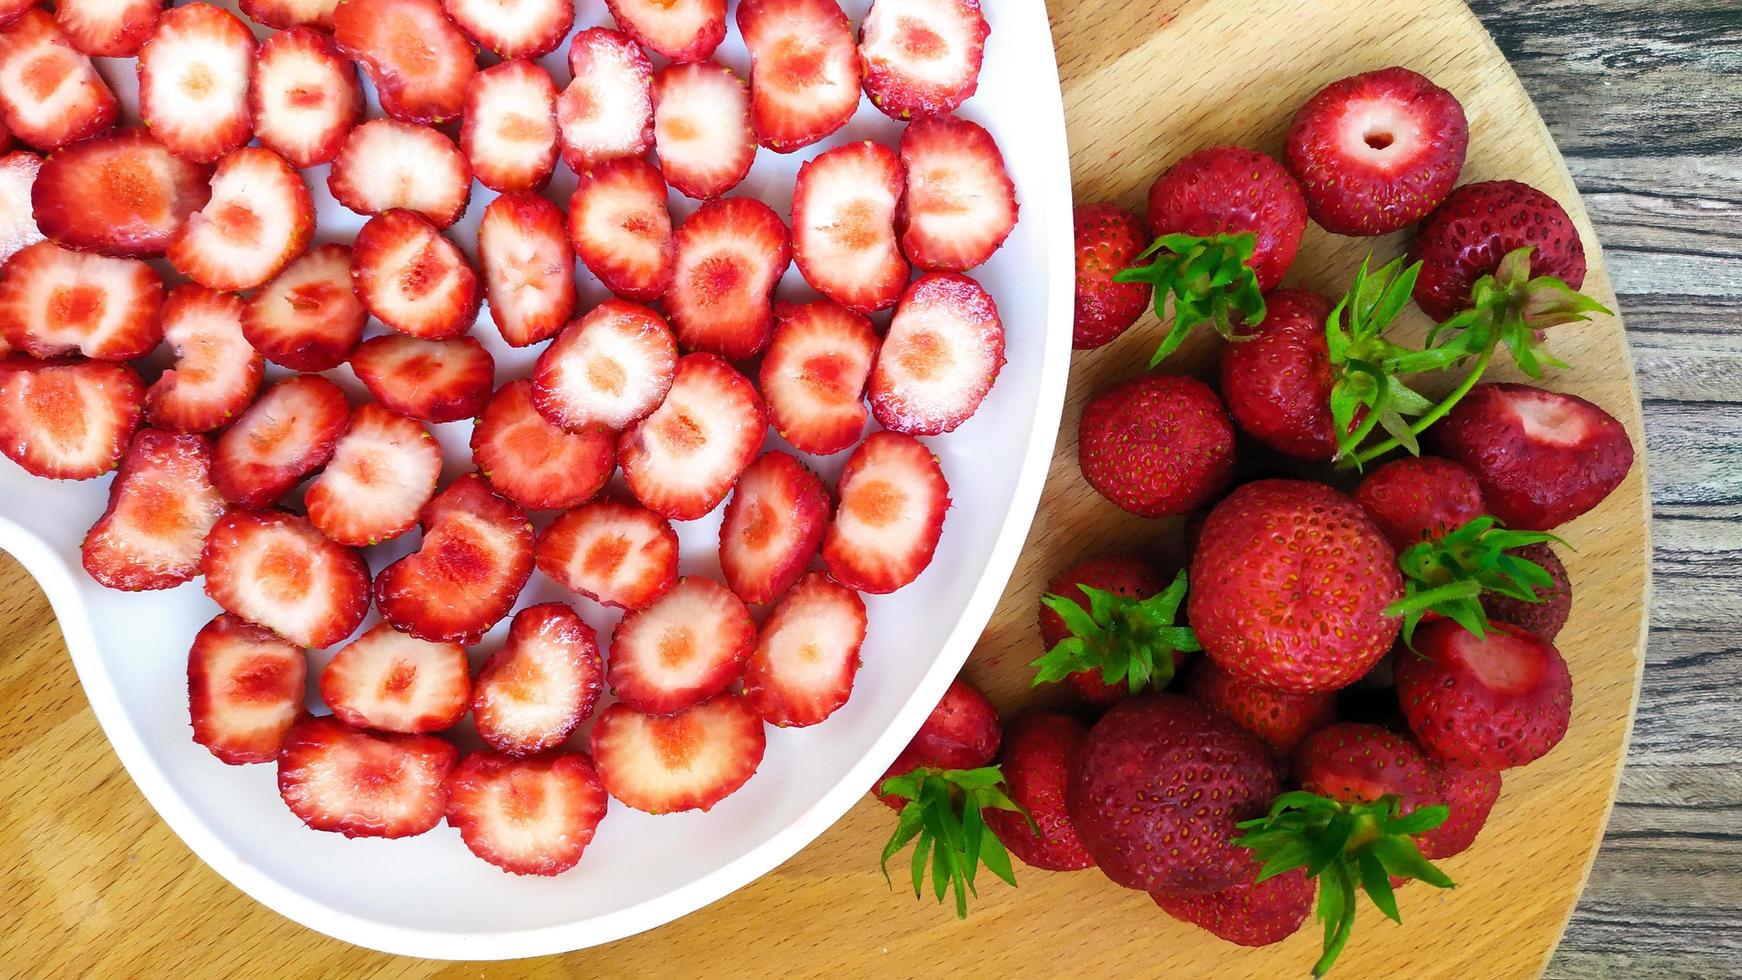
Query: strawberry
(804, 72)
(1036, 764)
(701, 128)
(892, 497)
(526, 816)
(682, 460)
(843, 226)
(1420, 498)
(541, 685)
(1547, 612)
(516, 28)
(1453, 574)
(304, 97)
(1115, 634)
(610, 551)
(245, 689)
(1356, 763)
(534, 463)
(385, 164)
(418, 59)
(18, 172)
(772, 527)
(621, 229)
(1479, 224)
(362, 784)
(959, 204)
(11, 10)
(307, 318)
(1281, 719)
(384, 470)
(611, 367)
(54, 301)
(107, 28)
(285, 15)
(475, 557)
(680, 649)
(940, 356)
(1278, 381)
(508, 128)
(259, 218)
(286, 435)
(1494, 701)
(429, 380)
(216, 374)
(193, 82)
(121, 193)
(814, 375)
(607, 110)
(729, 256)
(962, 732)
(1377, 151)
(412, 279)
(528, 267)
(688, 760)
(391, 682)
(50, 93)
(161, 506)
(1470, 795)
(67, 419)
(1126, 578)
(274, 569)
(1157, 445)
(682, 30)
(806, 653)
(1109, 239)
(1251, 913)
(920, 56)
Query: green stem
(1433, 415)
(1427, 600)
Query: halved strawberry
(392, 682)
(528, 267)
(920, 56)
(607, 110)
(418, 59)
(533, 463)
(67, 419)
(701, 128)
(690, 760)
(193, 81)
(527, 816)
(891, 512)
(804, 72)
(620, 227)
(18, 229)
(960, 203)
(108, 28)
(610, 367)
(730, 256)
(50, 93)
(384, 470)
(843, 226)
(216, 372)
(543, 683)
(245, 689)
(54, 301)
(362, 784)
(286, 435)
(688, 645)
(681, 460)
(429, 380)
(807, 653)
(611, 551)
(943, 350)
(259, 218)
(814, 375)
(386, 164)
(161, 506)
(514, 28)
(682, 30)
(121, 193)
(773, 526)
(285, 15)
(304, 97)
(508, 130)
(273, 568)
(475, 558)
(412, 279)
(307, 318)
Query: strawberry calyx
(942, 818)
(1211, 280)
(1449, 576)
(1130, 641)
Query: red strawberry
(804, 73)
(508, 130)
(515, 28)
(1278, 382)
(69, 419)
(304, 97)
(892, 497)
(107, 28)
(18, 171)
(245, 689)
(362, 784)
(1355, 763)
(307, 318)
(121, 193)
(959, 204)
(843, 226)
(1157, 445)
(1283, 720)
(193, 81)
(610, 367)
(475, 558)
(1109, 239)
(729, 256)
(412, 279)
(384, 470)
(11, 10)
(621, 229)
(391, 682)
(54, 301)
(216, 373)
(1420, 498)
(814, 375)
(962, 732)
(418, 59)
(385, 164)
(276, 570)
(701, 128)
(681, 460)
(920, 56)
(682, 648)
(429, 380)
(772, 528)
(689, 760)
(1227, 190)
(1035, 760)
(940, 356)
(614, 552)
(526, 816)
(528, 267)
(286, 435)
(682, 30)
(543, 683)
(534, 463)
(1548, 614)
(161, 506)
(806, 653)
(259, 218)
(50, 93)
(287, 14)
(1249, 913)
(1489, 702)
(1470, 795)
(1478, 224)
(607, 110)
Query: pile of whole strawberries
(1354, 671)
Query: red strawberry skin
(1356, 763)
(1229, 190)
(1466, 237)
(1469, 794)
(1250, 913)
(1036, 759)
(1420, 498)
(475, 557)
(1108, 239)
(1283, 720)
(1278, 383)
(1157, 445)
(1546, 617)
(962, 732)
(1489, 702)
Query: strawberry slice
(285, 15)
(891, 512)
(391, 682)
(610, 551)
(411, 278)
(921, 56)
(384, 470)
(960, 203)
(508, 129)
(533, 463)
(216, 372)
(804, 71)
(730, 256)
(528, 267)
(514, 28)
(772, 528)
(807, 653)
(11, 10)
(67, 420)
(53, 302)
(419, 60)
(193, 81)
(527, 816)
(108, 28)
(121, 193)
(682, 460)
(690, 760)
(50, 93)
(541, 685)
(682, 30)
(429, 380)
(362, 784)
(475, 558)
(943, 350)
(18, 229)
(276, 570)
(843, 226)
(814, 375)
(386, 164)
(304, 97)
(607, 110)
(610, 367)
(286, 435)
(620, 227)
(245, 689)
(307, 318)
(259, 218)
(161, 506)
(681, 648)
(701, 128)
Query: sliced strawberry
(943, 350)
(514, 28)
(304, 97)
(287, 14)
(418, 59)
(50, 93)
(11, 10)
(804, 72)
(683, 647)
(543, 683)
(533, 463)
(216, 372)
(814, 375)
(807, 653)
(259, 218)
(161, 506)
(53, 302)
(610, 367)
(307, 318)
(18, 229)
(843, 226)
(384, 470)
(682, 30)
(275, 569)
(508, 130)
(690, 760)
(730, 256)
(921, 56)
(620, 227)
(412, 279)
(429, 380)
(245, 689)
(391, 682)
(362, 784)
(193, 81)
(475, 558)
(527, 816)
(67, 420)
(386, 164)
(607, 110)
(121, 193)
(108, 28)
(701, 128)
(959, 204)
(528, 267)
(610, 551)
(772, 528)
(286, 435)
(681, 460)
(891, 512)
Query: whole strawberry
(1554, 603)
(1124, 577)
(1351, 762)
(1469, 795)
(1278, 381)
(1157, 445)
(1255, 913)
(1036, 752)
(1109, 238)
(1420, 498)
(1494, 701)
(1280, 718)
(1478, 224)
(962, 732)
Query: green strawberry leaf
(1449, 576)
(944, 820)
(1125, 639)
(1210, 279)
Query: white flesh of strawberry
(613, 372)
(604, 112)
(943, 349)
(964, 196)
(118, 280)
(668, 25)
(382, 473)
(609, 554)
(67, 448)
(842, 204)
(510, 24)
(526, 275)
(817, 633)
(212, 355)
(681, 636)
(263, 598)
(700, 125)
(695, 439)
(390, 681)
(786, 44)
(389, 164)
(17, 222)
(535, 693)
(604, 215)
(230, 711)
(822, 375)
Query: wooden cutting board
(101, 885)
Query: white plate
(428, 896)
